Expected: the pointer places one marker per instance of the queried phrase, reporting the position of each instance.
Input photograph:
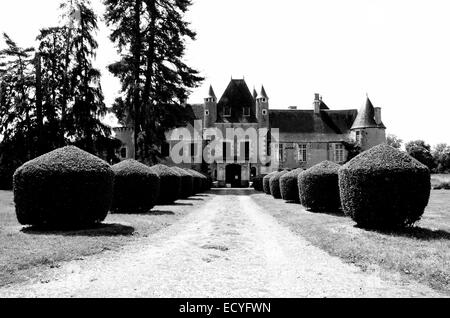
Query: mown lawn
(421, 253)
(26, 253)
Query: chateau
(306, 137)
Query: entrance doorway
(233, 175)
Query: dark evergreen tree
(84, 124)
(16, 110)
(151, 36)
(52, 43)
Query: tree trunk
(146, 99)
(39, 114)
(137, 66)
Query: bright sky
(397, 51)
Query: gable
(237, 96)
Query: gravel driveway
(229, 247)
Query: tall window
(280, 152)
(193, 149)
(227, 111)
(247, 150)
(339, 153)
(302, 153)
(246, 111)
(226, 151)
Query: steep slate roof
(323, 106)
(366, 117)
(307, 122)
(237, 96)
(255, 94)
(194, 112)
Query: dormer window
(247, 111)
(227, 111)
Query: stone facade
(306, 137)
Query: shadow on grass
(94, 231)
(180, 204)
(338, 213)
(194, 199)
(159, 212)
(419, 233)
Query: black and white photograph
(224, 154)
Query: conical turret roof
(263, 93)
(366, 117)
(211, 93)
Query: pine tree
(84, 117)
(151, 36)
(52, 44)
(16, 109)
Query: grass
(421, 253)
(26, 252)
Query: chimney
(292, 107)
(317, 102)
(378, 115)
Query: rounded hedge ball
(66, 188)
(319, 188)
(136, 187)
(187, 183)
(197, 181)
(289, 186)
(384, 188)
(200, 181)
(266, 182)
(274, 184)
(170, 184)
(258, 182)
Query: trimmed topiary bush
(209, 182)
(319, 187)
(136, 187)
(266, 182)
(197, 181)
(289, 186)
(66, 188)
(187, 183)
(384, 188)
(258, 182)
(274, 184)
(170, 184)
